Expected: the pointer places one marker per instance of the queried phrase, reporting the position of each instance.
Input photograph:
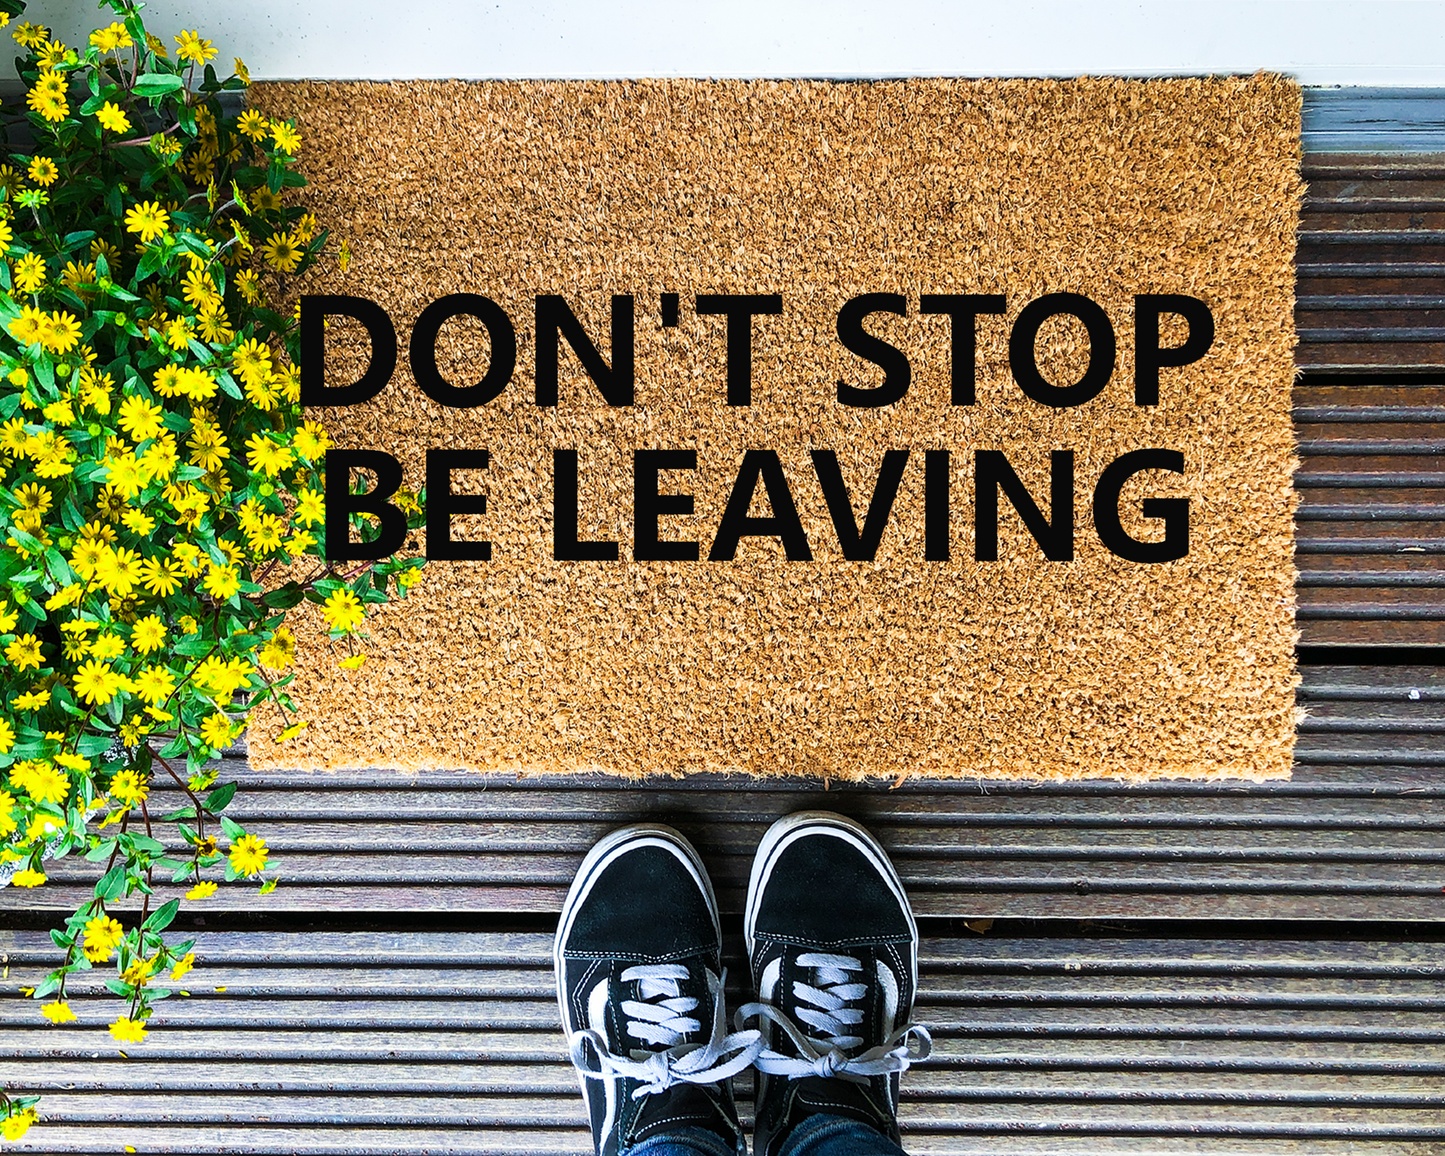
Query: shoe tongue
(839, 1097)
(682, 1105)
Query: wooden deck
(1172, 968)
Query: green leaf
(176, 816)
(232, 829)
(110, 885)
(218, 799)
(284, 597)
(156, 84)
(146, 843)
(162, 916)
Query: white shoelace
(825, 1005)
(660, 1017)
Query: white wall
(1353, 43)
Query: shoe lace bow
(829, 1006)
(660, 1017)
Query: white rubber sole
(792, 827)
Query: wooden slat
(1359, 833)
(1211, 1041)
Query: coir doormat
(928, 427)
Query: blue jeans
(820, 1135)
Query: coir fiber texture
(818, 192)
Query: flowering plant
(160, 490)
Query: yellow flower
(7, 740)
(197, 288)
(139, 972)
(266, 456)
(30, 276)
(199, 384)
(252, 361)
(148, 219)
(24, 652)
(285, 135)
(48, 103)
(218, 731)
(148, 634)
(178, 333)
(30, 700)
(280, 650)
(128, 1031)
(162, 578)
(61, 411)
(42, 171)
(96, 683)
(167, 381)
(110, 38)
(353, 662)
(193, 48)
(101, 936)
(60, 334)
(64, 597)
(138, 523)
(42, 827)
(15, 1125)
(112, 119)
(222, 581)
(187, 961)
(52, 56)
(31, 35)
(140, 419)
(107, 647)
(243, 74)
(252, 124)
(343, 610)
(119, 571)
(41, 780)
(201, 890)
(26, 329)
(58, 1012)
(34, 496)
(220, 679)
(154, 684)
(28, 878)
(248, 855)
(311, 441)
(87, 555)
(129, 788)
(248, 285)
(282, 252)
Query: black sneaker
(640, 988)
(834, 953)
